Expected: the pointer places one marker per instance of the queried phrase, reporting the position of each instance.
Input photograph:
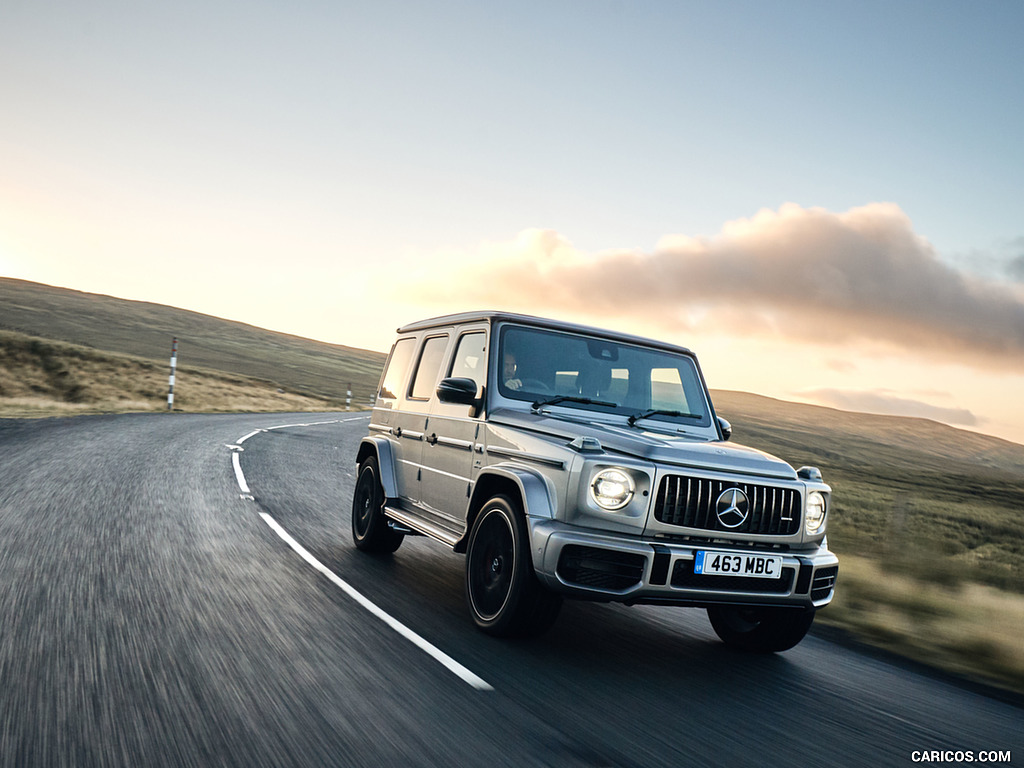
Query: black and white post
(174, 365)
(348, 398)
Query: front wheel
(370, 530)
(762, 630)
(504, 596)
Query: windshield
(540, 365)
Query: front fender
(534, 491)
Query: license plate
(708, 563)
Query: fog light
(612, 488)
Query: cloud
(799, 273)
(1015, 268)
(840, 366)
(1004, 259)
(883, 403)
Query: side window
(425, 379)
(398, 366)
(470, 361)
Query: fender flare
(380, 447)
(535, 492)
(534, 489)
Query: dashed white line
(238, 473)
(424, 645)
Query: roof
(496, 316)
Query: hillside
(811, 431)
(41, 377)
(145, 330)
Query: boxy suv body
(568, 461)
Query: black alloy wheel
(370, 530)
(504, 596)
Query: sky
(824, 200)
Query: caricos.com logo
(959, 756)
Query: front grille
(598, 568)
(690, 502)
(683, 576)
(824, 582)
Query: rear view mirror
(457, 390)
(726, 428)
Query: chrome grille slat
(773, 511)
(680, 513)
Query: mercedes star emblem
(732, 508)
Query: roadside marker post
(174, 365)
(348, 398)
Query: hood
(670, 448)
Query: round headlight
(612, 488)
(815, 516)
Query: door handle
(432, 439)
(397, 431)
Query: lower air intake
(604, 569)
(824, 582)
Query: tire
(504, 596)
(370, 530)
(761, 630)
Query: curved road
(154, 614)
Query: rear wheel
(762, 630)
(504, 596)
(370, 530)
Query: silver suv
(568, 461)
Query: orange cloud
(801, 273)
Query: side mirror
(457, 390)
(725, 427)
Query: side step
(443, 535)
(399, 528)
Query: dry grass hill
(143, 330)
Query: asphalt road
(153, 616)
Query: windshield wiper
(570, 398)
(659, 412)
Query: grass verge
(972, 630)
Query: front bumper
(590, 565)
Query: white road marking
(424, 645)
(242, 485)
(251, 434)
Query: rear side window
(427, 371)
(398, 366)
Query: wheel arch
(380, 449)
(530, 490)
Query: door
(408, 422)
(452, 434)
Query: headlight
(815, 516)
(612, 488)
